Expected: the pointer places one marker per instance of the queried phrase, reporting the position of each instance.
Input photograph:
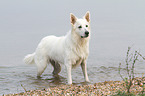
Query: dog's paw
(69, 83)
(87, 81)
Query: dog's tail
(29, 59)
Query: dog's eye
(80, 27)
(86, 25)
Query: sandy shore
(97, 89)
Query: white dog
(71, 50)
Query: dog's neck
(77, 40)
(80, 46)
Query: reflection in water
(47, 80)
(13, 80)
(56, 79)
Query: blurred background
(115, 25)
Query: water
(115, 26)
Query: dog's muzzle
(86, 34)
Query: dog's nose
(87, 33)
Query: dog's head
(81, 26)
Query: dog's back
(50, 47)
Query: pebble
(97, 89)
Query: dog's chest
(76, 62)
(77, 56)
(80, 52)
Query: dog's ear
(72, 19)
(87, 16)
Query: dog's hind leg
(56, 66)
(41, 66)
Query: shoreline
(99, 89)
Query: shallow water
(115, 26)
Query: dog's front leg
(84, 69)
(68, 70)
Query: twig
(23, 88)
(141, 56)
(127, 63)
(135, 58)
(120, 72)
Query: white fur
(71, 50)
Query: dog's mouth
(85, 36)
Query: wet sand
(96, 89)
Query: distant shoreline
(102, 88)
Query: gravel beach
(97, 89)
